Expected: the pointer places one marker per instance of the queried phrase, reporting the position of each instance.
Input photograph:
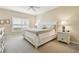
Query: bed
(44, 31)
(38, 37)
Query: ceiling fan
(34, 8)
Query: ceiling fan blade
(34, 8)
(28, 8)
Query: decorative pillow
(41, 27)
(44, 27)
(49, 26)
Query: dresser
(64, 37)
(1, 40)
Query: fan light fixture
(34, 8)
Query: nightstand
(64, 37)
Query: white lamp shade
(63, 23)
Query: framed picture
(4, 21)
(7, 21)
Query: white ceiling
(24, 9)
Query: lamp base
(63, 28)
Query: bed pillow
(41, 27)
(46, 26)
(50, 26)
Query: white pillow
(49, 26)
(41, 27)
(46, 26)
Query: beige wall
(69, 15)
(6, 14)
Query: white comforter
(39, 36)
(42, 33)
(36, 30)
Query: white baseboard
(75, 43)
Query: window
(19, 23)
